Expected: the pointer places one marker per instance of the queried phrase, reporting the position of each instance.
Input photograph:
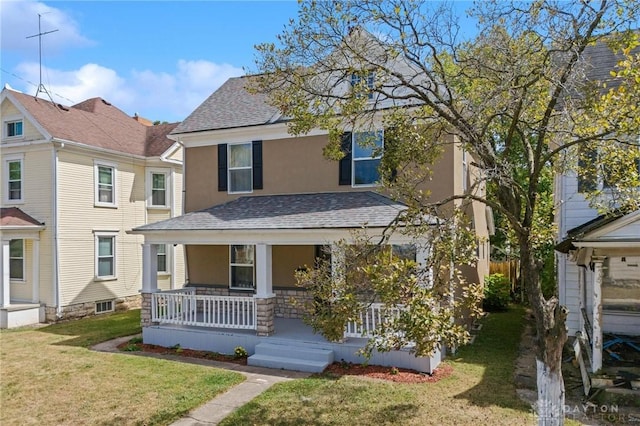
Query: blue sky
(160, 59)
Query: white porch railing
(184, 307)
(370, 319)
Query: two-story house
(74, 180)
(259, 204)
(598, 255)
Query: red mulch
(398, 375)
(338, 369)
(143, 347)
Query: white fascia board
(267, 236)
(615, 225)
(62, 143)
(240, 134)
(21, 232)
(164, 157)
(608, 244)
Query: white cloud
(19, 20)
(154, 95)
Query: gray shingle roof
(228, 107)
(291, 211)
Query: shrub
(496, 293)
(240, 352)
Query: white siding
(79, 219)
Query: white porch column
(337, 261)
(264, 275)
(35, 271)
(265, 298)
(5, 283)
(596, 359)
(422, 256)
(149, 268)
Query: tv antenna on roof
(41, 87)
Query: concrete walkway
(258, 380)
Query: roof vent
(105, 102)
(62, 107)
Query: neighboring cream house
(75, 179)
(259, 204)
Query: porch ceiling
(296, 218)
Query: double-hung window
(14, 178)
(105, 255)
(158, 188)
(13, 128)
(105, 184)
(242, 264)
(367, 152)
(163, 265)
(240, 167)
(16, 260)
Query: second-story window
(240, 167)
(367, 152)
(105, 184)
(14, 177)
(158, 188)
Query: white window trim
(168, 188)
(465, 171)
(11, 159)
(371, 82)
(24, 261)
(168, 258)
(109, 234)
(253, 265)
(353, 161)
(96, 179)
(5, 130)
(229, 191)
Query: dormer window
(369, 79)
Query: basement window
(105, 306)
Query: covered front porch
(242, 257)
(19, 269)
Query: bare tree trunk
(551, 336)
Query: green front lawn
(49, 376)
(479, 392)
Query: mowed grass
(479, 392)
(49, 376)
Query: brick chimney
(142, 120)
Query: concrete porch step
(289, 357)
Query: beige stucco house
(259, 204)
(74, 180)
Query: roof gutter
(63, 142)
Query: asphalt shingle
(291, 211)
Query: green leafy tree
(515, 96)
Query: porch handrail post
(4, 274)
(596, 359)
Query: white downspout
(56, 245)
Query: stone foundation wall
(81, 310)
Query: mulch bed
(214, 356)
(337, 369)
(398, 375)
